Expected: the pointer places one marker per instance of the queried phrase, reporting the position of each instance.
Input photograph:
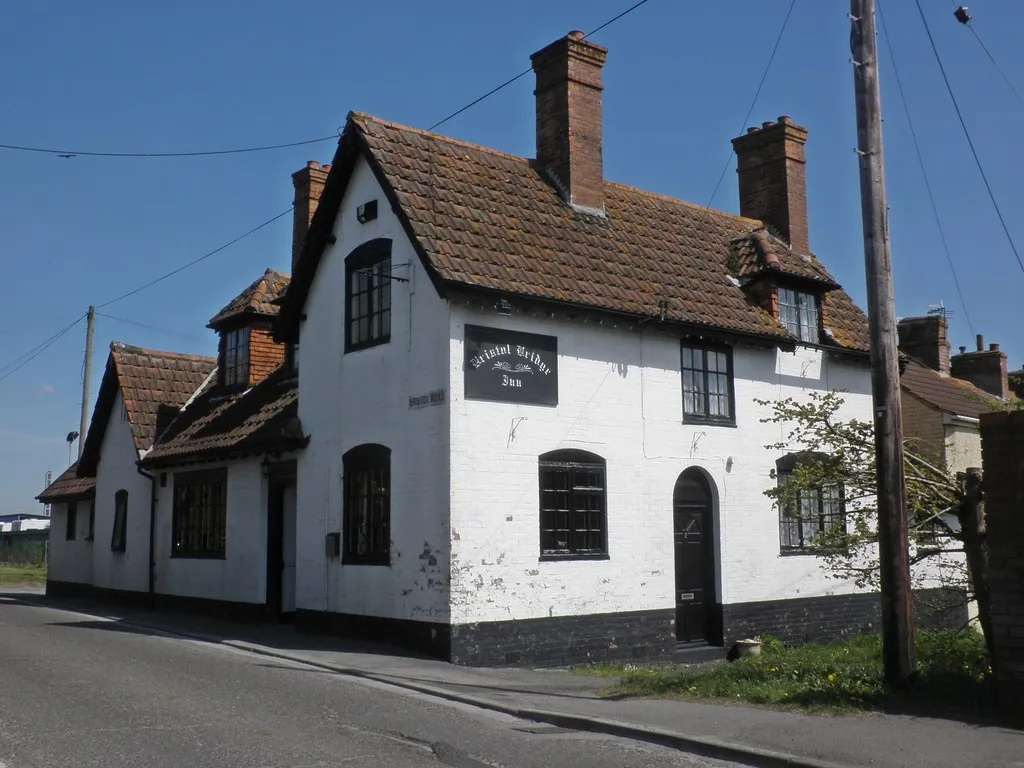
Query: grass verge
(22, 574)
(839, 678)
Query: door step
(697, 653)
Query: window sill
(558, 557)
(366, 345)
(709, 421)
(366, 561)
(196, 556)
(809, 552)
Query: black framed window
(368, 295)
(71, 524)
(573, 509)
(367, 512)
(798, 312)
(119, 536)
(200, 514)
(92, 521)
(236, 357)
(806, 513)
(708, 384)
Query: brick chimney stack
(985, 369)
(568, 97)
(309, 185)
(925, 339)
(773, 187)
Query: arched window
(367, 512)
(368, 295)
(119, 537)
(573, 508)
(807, 507)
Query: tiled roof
(946, 393)
(761, 252)
(68, 486)
(260, 298)
(151, 382)
(263, 419)
(485, 220)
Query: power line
(37, 350)
(192, 263)
(147, 327)
(992, 58)
(753, 102)
(203, 153)
(528, 70)
(920, 161)
(967, 133)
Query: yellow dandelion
(831, 677)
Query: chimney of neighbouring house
(773, 187)
(309, 185)
(925, 340)
(569, 119)
(985, 369)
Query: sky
(124, 76)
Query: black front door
(691, 513)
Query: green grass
(842, 677)
(22, 574)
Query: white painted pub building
(527, 428)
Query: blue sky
(127, 76)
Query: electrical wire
(147, 327)
(753, 102)
(920, 161)
(20, 362)
(967, 133)
(528, 70)
(203, 153)
(995, 63)
(192, 263)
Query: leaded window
(806, 513)
(707, 384)
(367, 513)
(200, 514)
(236, 357)
(799, 314)
(368, 295)
(119, 536)
(573, 505)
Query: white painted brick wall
(128, 570)
(242, 575)
(620, 397)
(69, 560)
(363, 397)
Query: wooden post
(84, 426)
(897, 608)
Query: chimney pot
(993, 347)
(312, 164)
(751, 130)
(568, 97)
(785, 119)
(767, 124)
(963, 350)
(980, 339)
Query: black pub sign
(511, 366)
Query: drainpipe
(152, 534)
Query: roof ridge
(120, 346)
(531, 161)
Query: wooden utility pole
(84, 425)
(897, 609)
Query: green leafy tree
(945, 518)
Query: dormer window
(798, 312)
(236, 357)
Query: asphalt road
(79, 691)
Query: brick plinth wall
(1002, 451)
(265, 354)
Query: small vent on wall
(367, 212)
(333, 544)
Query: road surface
(79, 691)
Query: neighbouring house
(102, 504)
(944, 397)
(530, 395)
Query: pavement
(748, 735)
